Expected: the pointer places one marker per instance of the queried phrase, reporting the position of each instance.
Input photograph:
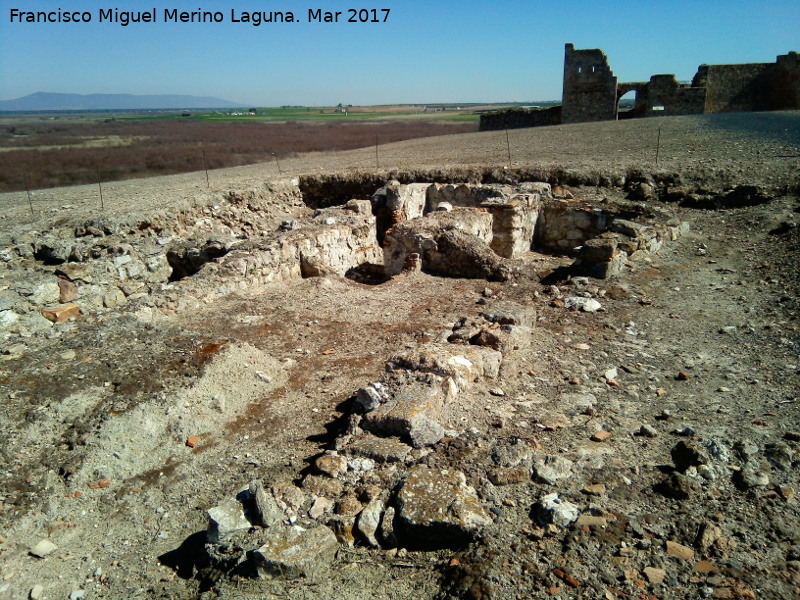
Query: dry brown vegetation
(42, 155)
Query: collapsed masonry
(456, 230)
(369, 487)
(372, 485)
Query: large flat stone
(415, 402)
(225, 520)
(437, 509)
(463, 364)
(379, 449)
(292, 552)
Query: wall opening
(626, 105)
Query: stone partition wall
(513, 223)
(562, 228)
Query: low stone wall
(335, 241)
(418, 236)
(606, 255)
(518, 118)
(513, 223)
(564, 226)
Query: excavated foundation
(361, 228)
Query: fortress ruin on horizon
(592, 92)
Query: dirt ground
(691, 366)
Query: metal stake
(30, 199)
(658, 144)
(508, 146)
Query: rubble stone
(589, 305)
(331, 465)
(551, 509)
(411, 408)
(43, 548)
(266, 509)
(679, 551)
(292, 552)
(379, 449)
(419, 236)
(369, 521)
(437, 509)
(320, 485)
(225, 520)
(458, 254)
(655, 575)
(62, 314)
(320, 507)
(371, 396)
(387, 535)
(549, 468)
(67, 291)
(463, 364)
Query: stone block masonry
(590, 87)
(591, 92)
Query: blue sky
(434, 51)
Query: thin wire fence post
(658, 144)
(205, 166)
(508, 146)
(30, 198)
(100, 185)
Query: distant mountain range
(53, 101)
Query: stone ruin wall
(590, 87)
(517, 118)
(672, 97)
(753, 87)
(591, 92)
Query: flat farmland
(50, 151)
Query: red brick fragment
(62, 314)
(601, 436)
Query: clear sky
(426, 51)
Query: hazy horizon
(417, 53)
(238, 104)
